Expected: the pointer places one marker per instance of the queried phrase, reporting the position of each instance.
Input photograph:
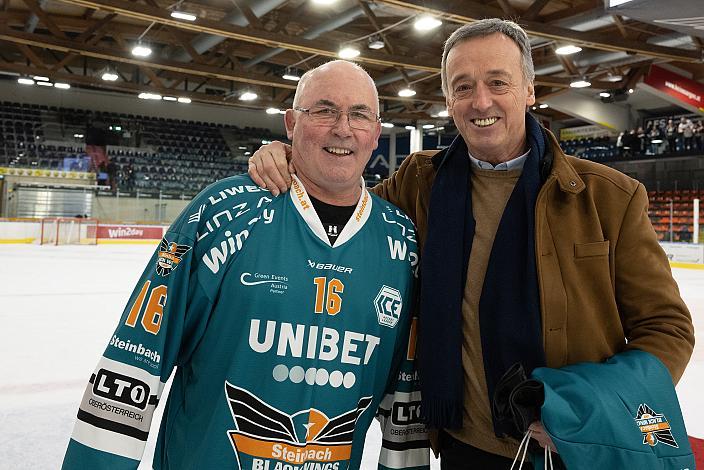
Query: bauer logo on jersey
(654, 427)
(170, 255)
(267, 438)
(388, 304)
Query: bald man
(286, 318)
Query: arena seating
(682, 213)
(155, 154)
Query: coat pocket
(590, 250)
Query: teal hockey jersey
(285, 347)
(620, 414)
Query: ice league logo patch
(170, 255)
(654, 426)
(269, 439)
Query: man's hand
(540, 435)
(270, 169)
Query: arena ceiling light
(388, 125)
(410, 128)
(182, 15)
(140, 50)
(324, 2)
(428, 126)
(169, 98)
(41, 78)
(149, 96)
(62, 86)
(580, 83)
(184, 100)
(273, 111)
(291, 73)
(49, 84)
(109, 75)
(406, 92)
(444, 113)
(605, 94)
(426, 23)
(248, 96)
(568, 49)
(348, 52)
(25, 81)
(543, 106)
(375, 42)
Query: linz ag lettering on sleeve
(121, 388)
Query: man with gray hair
(530, 258)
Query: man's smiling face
(333, 157)
(488, 96)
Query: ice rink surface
(59, 307)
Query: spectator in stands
(671, 135)
(130, 177)
(655, 140)
(619, 143)
(112, 175)
(699, 134)
(529, 257)
(630, 144)
(102, 174)
(688, 134)
(680, 134)
(641, 135)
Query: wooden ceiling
(211, 59)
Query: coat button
(573, 183)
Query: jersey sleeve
(405, 443)
(158, 329)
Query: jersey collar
(304, 206)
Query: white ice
(60, 305)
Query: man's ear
(377, 132)
(290, 123)
(530, 101)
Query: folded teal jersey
(619, 414)
(285, 347)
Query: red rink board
(698, 448)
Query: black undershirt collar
(334, 218)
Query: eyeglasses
(326, 116)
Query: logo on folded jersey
(654, 426)
(170, 255)
(388, 304)
(266, 437)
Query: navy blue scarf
(509, 306)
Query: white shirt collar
(514, 164)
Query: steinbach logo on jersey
(170, 255)
(654, 426)
(269, 439)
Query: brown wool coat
(605, 282)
